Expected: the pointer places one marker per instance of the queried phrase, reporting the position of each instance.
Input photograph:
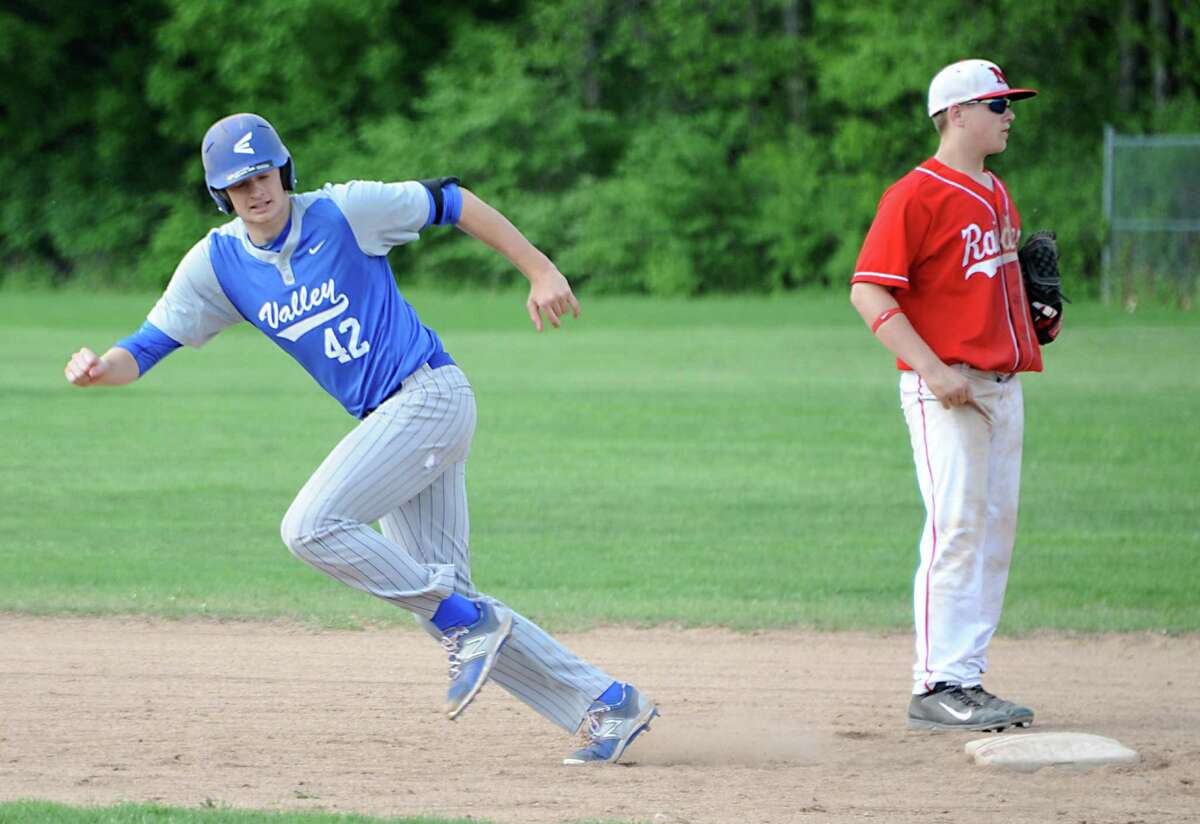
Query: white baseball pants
(405, 467)
(968, 464)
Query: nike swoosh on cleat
(961, 716)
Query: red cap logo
(1000, 78)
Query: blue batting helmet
(241, 146)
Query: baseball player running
(938, 282)
(310, 271)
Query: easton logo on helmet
(243, 146)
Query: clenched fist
(85, 368)
(116, 367)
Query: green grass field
(731, 461)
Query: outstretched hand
(85, 368)
(551, 293)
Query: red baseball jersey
(947, 247)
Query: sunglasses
(998, 105)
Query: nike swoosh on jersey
(311, 322)
(313, 250)
(990, 266)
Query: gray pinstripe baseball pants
(405, 467)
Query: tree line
(657, 146)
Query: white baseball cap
(970, 80)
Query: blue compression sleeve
(148, 345)
(451, 206)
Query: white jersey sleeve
(382, 215)
(194, 307)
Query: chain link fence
(1152, 210)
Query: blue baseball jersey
(323, 292)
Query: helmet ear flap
(222, 200)
(287, 176)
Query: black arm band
(434, 185)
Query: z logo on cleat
(611, 728)
(473, 648)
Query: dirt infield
(769, 727)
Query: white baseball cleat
(608, 729)
(473, 650)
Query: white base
(1032, 751)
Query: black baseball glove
(1043, 284)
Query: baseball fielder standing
(938, 282)
(310, 271)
